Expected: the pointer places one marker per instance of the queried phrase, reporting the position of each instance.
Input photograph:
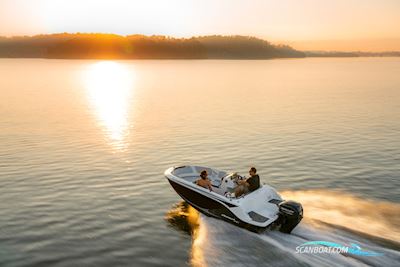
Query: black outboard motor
(290, 214)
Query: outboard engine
(290, 214)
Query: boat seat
(215, 183)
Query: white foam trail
(377, 218)
(221, 244)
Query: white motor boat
(256, 211)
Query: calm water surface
(84, 144)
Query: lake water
(84, 144)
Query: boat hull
(212, 207)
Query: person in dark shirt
(249, 185)
(254, 180)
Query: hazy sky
(306, 24)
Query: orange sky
(366, 25)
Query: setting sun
(307, 24)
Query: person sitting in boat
(249, 185)
(203, 181)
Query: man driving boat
(249, 185)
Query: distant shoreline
(117, 47)
(197, 59)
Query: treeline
(351, 54)
(111, 46)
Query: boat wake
(328, 216)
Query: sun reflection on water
(109, 88)
(185, 218)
